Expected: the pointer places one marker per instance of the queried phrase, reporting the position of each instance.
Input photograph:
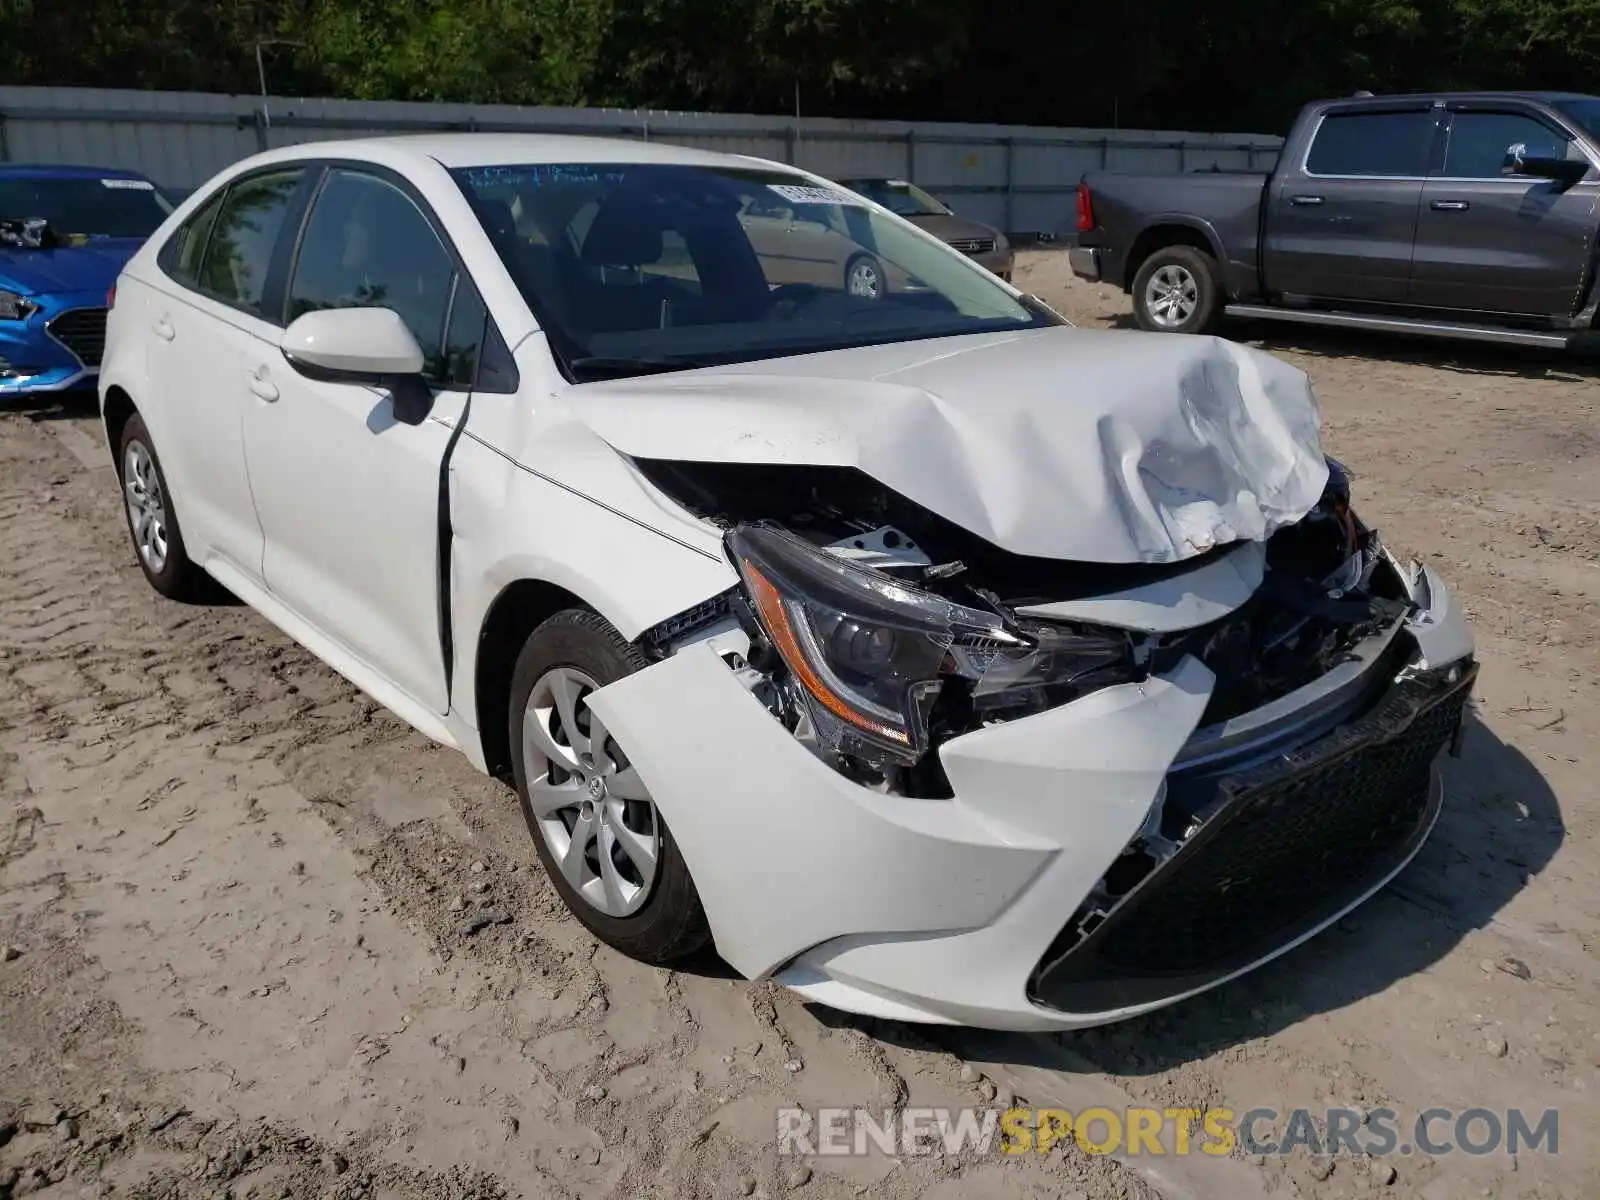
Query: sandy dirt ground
(261, 940)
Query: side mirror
(362, 345)
(1542, 166)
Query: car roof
(1448, 97)
(455, 150)
(63, 171)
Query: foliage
(1230, 64)
(484, 51)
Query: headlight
(14, 307)
(1000, 243)
(869, 655)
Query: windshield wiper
(600, 366)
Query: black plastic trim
(1073, 975)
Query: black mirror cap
(411, 394)
(412, 398)
(1561, 170)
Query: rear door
(1340, 224)
(1503, 244)
(223, 273)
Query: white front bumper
(913, 909)
(938, 908)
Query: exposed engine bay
(884, 630)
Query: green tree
(478, 51)
(751, 55)
(179, 45)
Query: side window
(367, 245)
(463, 339)
(1394, 144)
(1479, 141)
(243, 237)
(181, 256)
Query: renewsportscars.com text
(1163, 1131)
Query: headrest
(622, 235)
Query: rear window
(1385, 144)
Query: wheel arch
(116, 410)
(516, 611)
(1170, 231)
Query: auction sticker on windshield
(131, 185)
(802, 194)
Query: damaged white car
(826, 599)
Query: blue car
(65, 233)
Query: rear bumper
(1085, 262)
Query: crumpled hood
(1091, 446)
(92, 267)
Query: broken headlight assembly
(14, 307)
(869, 656)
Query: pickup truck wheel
(596, 829)
(1176, 291)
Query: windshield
(1584, 111)
(98, 207)
(635, 268)
(906, 199)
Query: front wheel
(1176, 291)
(594, 824)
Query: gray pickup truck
(1462, 215)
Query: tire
(858, 271)
(667, 921)
(1176, 291)
(152, 521)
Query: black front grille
(82, 331)
(973, 245)
(1282, 848)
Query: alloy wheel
(1171, 295)
(864, 280)
(147, 509)
(591, 808)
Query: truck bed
(1218, 210)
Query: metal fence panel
(1017, 177)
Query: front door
(1504, 244)
(1340, 225)
(348, 497)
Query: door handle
(1449, 206)
(163, 329)
(262, 387)
(1305, 201)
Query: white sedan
(935, 658)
